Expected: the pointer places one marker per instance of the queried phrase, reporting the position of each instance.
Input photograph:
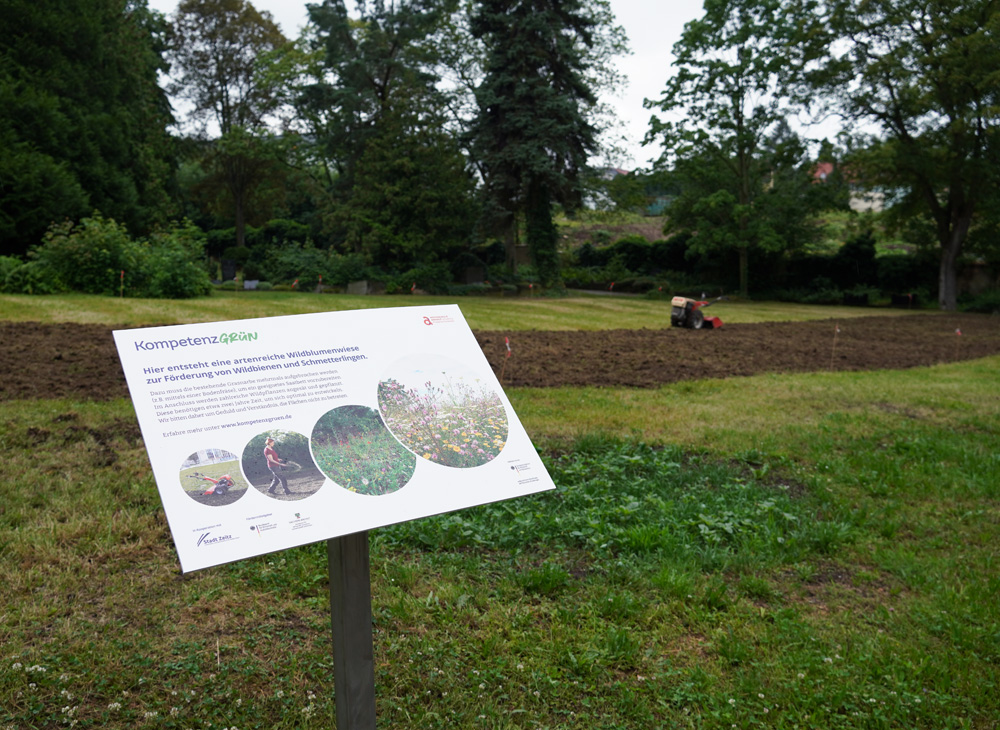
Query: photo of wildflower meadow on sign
(351, 445)
(443, 414)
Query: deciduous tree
(221, 49)
(398, 188)
(734, 69)
(925, 76)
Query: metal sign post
(353, 645)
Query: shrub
(238, 254)
(616, 270)
(294, 261)
(633, 251)
(671, 254)
(463, 290)
(901, 273)
(432, 278)
(637, 284)
(7, 265)
(345, 268)
(583, 277)
(31, 278)
(90, 256)
(988, 302)
(589, 257)
(173, 263)
(281, 230)
(854, 263)
(823, 291)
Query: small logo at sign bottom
(207, 539)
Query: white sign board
(265, 434)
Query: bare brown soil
(80, 362)
(649, 358)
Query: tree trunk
(744, 271)
(241, 223)
(235, 168)
(510, 243)
(951, 247)
(541, 233)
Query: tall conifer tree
(82, 118)
(532, 133)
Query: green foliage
(237, 254)
(431, 278)
(412, 199)
(629, 499)
(31, 278)
(352, 447)
(547, 579)
(923, 75)
(854, 263)
(396, 185)
(988, 302)
(82, 117)
(306, 263)
(900, 273)
(533, 133)
(7, 265)
(221, 51)
(744, 176)
(97, 256)
(90, 256)
(174, 263)
(36, 189)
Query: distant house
(610, 173)
(862, 199)
(599, 199)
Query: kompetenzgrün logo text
(225, 338)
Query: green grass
(483, 313)
(809, 550)
(360, 454)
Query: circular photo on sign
(443, 412)
(352, 446)
(279, 465)
(212, 477)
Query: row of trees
(401, 130)
(409, 123)
(407, 132)
(915, 82)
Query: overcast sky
(652, 28)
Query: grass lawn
(584, 312)
(810, 550)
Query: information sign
(265, 434)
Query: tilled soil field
(80, 361)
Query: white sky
(652, 26)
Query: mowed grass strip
(578, 312)
(814, 550)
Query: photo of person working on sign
(274, 465)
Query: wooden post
(351, 617)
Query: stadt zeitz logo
(205, 539)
